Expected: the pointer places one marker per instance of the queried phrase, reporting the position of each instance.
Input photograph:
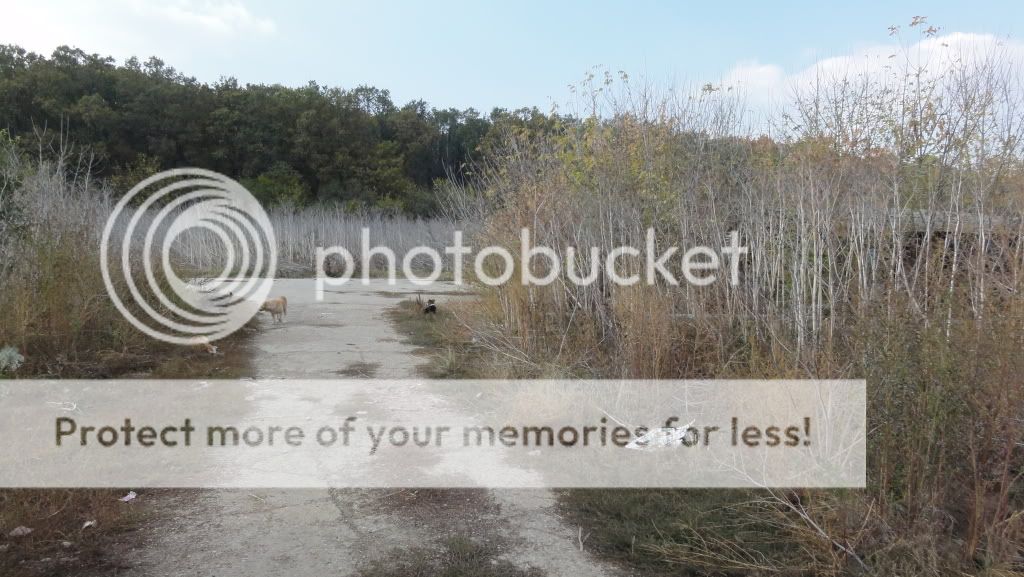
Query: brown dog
(277, 308)
(204, 344)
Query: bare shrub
(884, 223)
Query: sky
(486, 54)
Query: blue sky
(486, 54)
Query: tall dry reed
(885, 223)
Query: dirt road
(341, 531)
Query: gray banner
(426, 433)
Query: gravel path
(229, 533)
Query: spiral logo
(193, 223)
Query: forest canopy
(299, 145)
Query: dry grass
(438, 336)
(300, 231)
(56, 313)
(70, 529)
(885, 243)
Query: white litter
(20, 531)
(661, 438)
(10, 359)
(130, 496)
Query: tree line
(297, 145)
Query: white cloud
(769, 86)
(221, 17)
(172, 29)
(755, 78)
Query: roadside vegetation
(56, 319)
(54, 308)
(441, 338)
(885, 221)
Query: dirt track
(338, 531)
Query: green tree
(282, 184)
